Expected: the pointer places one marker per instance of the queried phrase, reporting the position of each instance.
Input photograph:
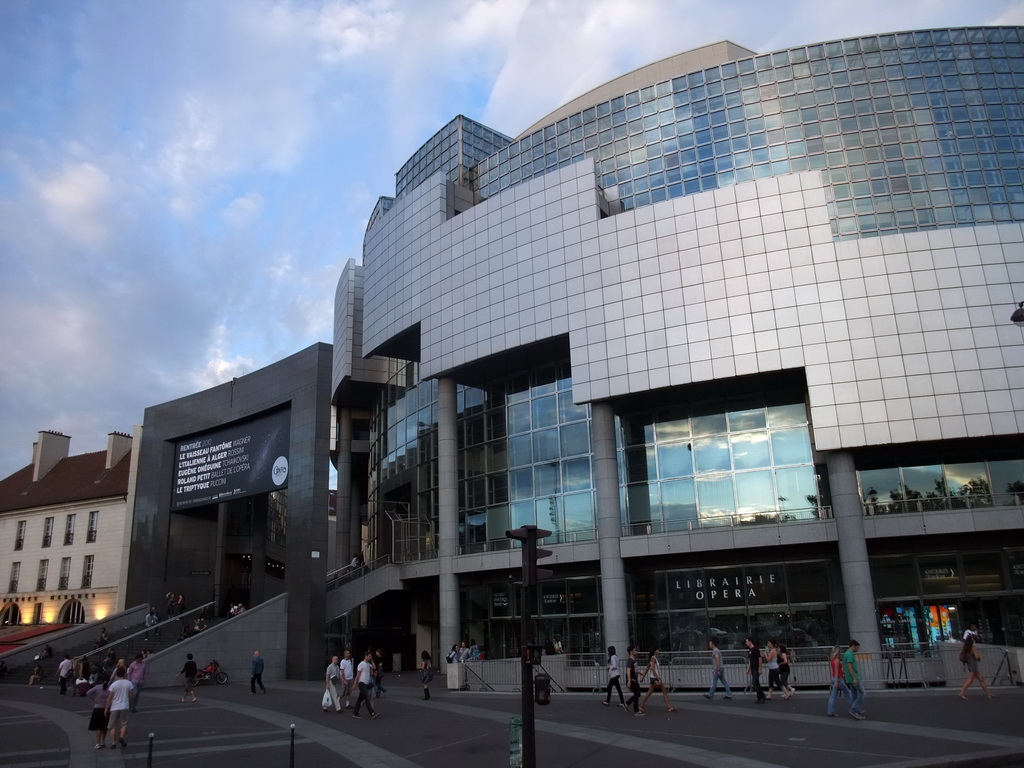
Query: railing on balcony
(12, 586)
(41, 584)
(86, 580)
(90, 536)
(19, 543)
(728, 521)
(940, 503)
(503, 544)
(63, 583)
(47, 539)
(69, 539)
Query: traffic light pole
(525, 641)
(528, 536)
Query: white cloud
(220, 365)
(243, 211)
(74, 201)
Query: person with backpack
(970, 658)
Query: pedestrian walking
(771, 663)
(632, 681)
(839, 687)
(172, 600)
(191, 672)
(852, 674)
(656, 682)
(364, 679)
(332, 677)
(613, 678)
(257, 673)
(426, 674)
(151, 621)
(754, 668)
(119, 701)
(717, 672)
(348, 678)
(137, 677)
(785, 668)
(64, 672)
(378, 674)
(970, 657)
(98, 718)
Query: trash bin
(456, 677)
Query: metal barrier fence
(809, 668)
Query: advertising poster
(243, 459)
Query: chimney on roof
(118, 444)
(50, 448)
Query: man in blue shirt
(257, 673)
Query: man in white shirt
(347, 679)
(364, 673)
(64, 670)
(119, 700)
(333, 679)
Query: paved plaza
(230, 728)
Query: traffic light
(542, 688)
(528, 535)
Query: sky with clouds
(181, 181)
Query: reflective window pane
(791, 446)
(750, 450)
(711, 454)
(715, 496)
(576, 475)
(755, 493)
(575, 439)
(545, 445)
(675, 460)
(678, 502)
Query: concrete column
(609, 528)
(853, 552)
(448, 512)
(346, 508)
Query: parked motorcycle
(212, 671)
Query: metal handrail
(146, 630)
(966, 501)
(741, 519)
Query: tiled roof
(75, 478)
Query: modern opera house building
(734, 327)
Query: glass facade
(933, 597)
(452, 151)
(911, 131)
(524, 455)
(921, 487)
(718, 463)
(789, 602)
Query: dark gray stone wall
(177, 551)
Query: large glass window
(920, 146)
(720, 465)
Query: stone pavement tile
(470, 730)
